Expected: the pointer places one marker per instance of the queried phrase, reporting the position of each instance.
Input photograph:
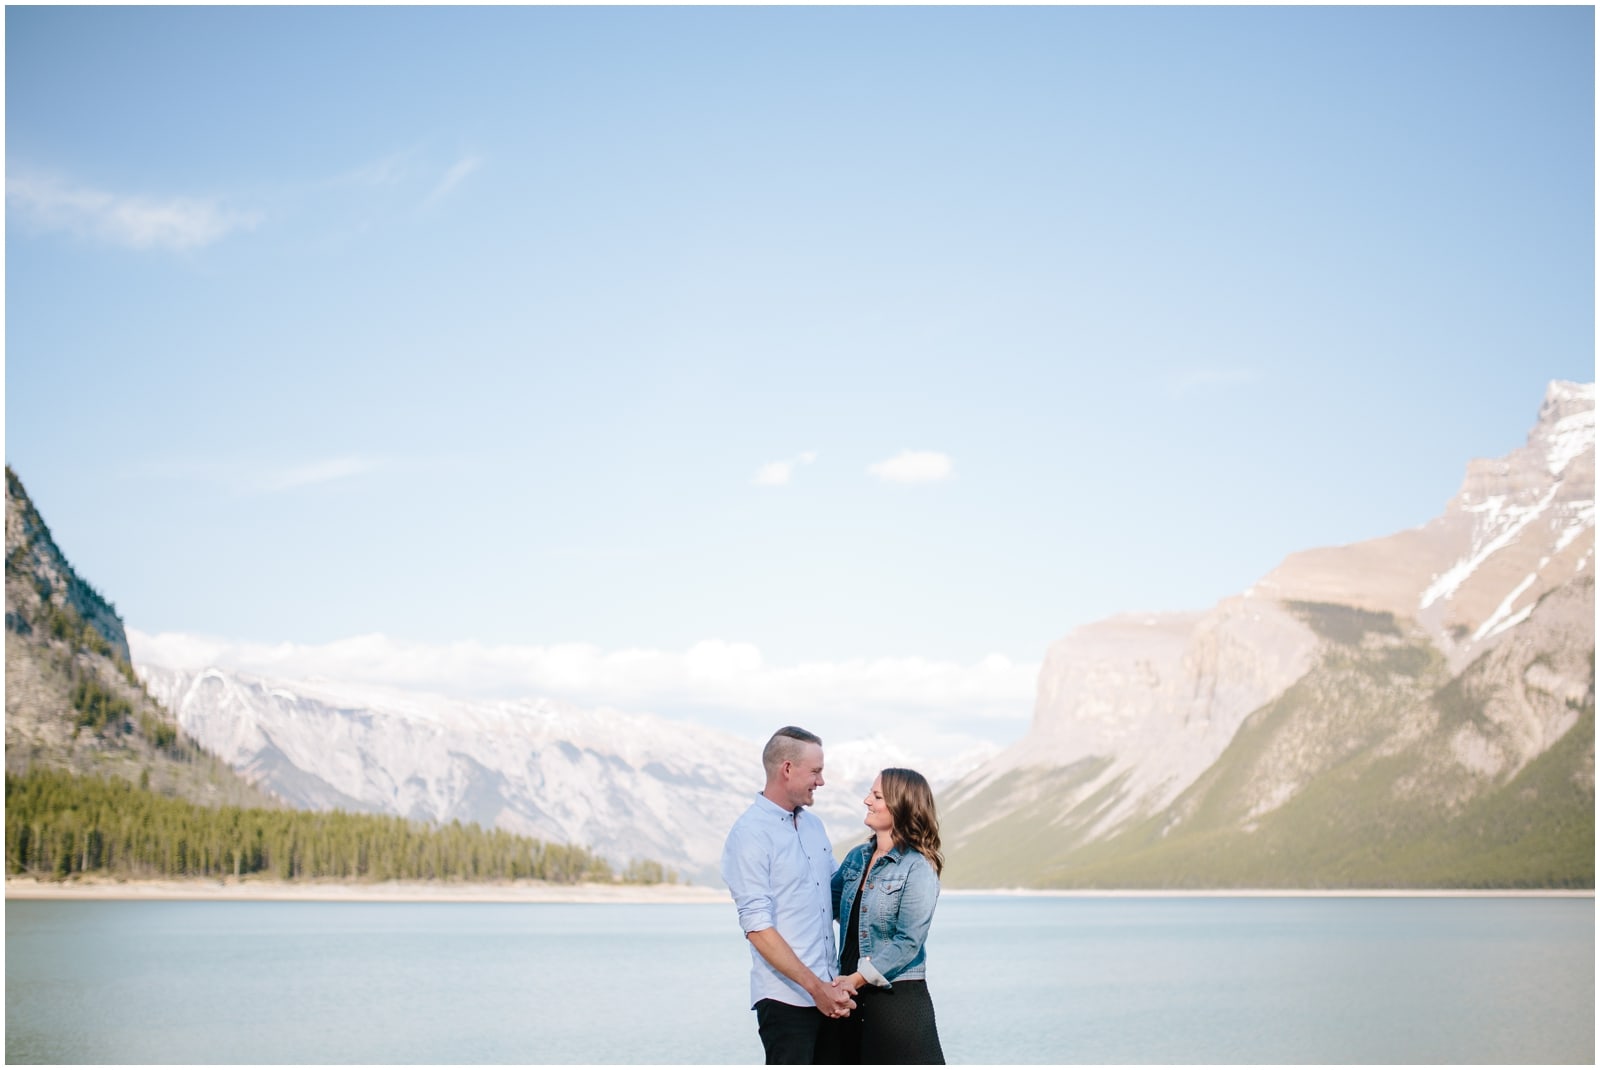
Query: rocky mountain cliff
(1411, 710)
(1520, 526)
(73, 701)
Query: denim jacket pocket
(886, 904)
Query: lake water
(1014, 980)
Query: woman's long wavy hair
(916, 822)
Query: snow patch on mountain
(1570, 433)
(1499, 527)
(625, 785)
(622, 784)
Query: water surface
(1014, 980)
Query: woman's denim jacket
(896, 909)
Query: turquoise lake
(1013, 979)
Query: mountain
(1520, 526)
(1412, 710)
(624, 785)
(73, 701)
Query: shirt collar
(775, 810)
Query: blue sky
(494, 329)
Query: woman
(884, 893)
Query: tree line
(58, 825)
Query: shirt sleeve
(747, 871)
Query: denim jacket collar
(896, 852)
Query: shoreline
(267, 890)
(1277, 893)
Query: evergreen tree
(58, 824)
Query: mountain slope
(73, 701)
(1427, 721)
(625, 786)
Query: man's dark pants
(795, 1034)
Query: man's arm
(831, 999)
(747, 872)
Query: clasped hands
(834, 1000)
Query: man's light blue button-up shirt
(779, 867)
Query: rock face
(1520, 526)
(1154, 699)
(39, 579)
(72, 699)
(1391, 691)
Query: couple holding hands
(862, 998)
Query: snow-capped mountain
(627, 786)
(624, 785)
(1521, 525)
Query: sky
(745, 364)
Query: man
(779, 866)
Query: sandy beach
(544, 892)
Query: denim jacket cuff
(870, 972)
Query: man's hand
(831, 1000)
(834, 1000)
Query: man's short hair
(786, 745)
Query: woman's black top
(850, 957)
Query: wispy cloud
(454, 177)
(323, 471)
(778, 473)
(386, 171)
(715, 674)
(121, 219)
(914, 466)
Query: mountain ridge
(1430, 669)
(73, 700)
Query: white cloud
(775, 474)
(713, 675)
(131, 221)
(453, 177)
(778, 473)
(243, 477)
(914, 466)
